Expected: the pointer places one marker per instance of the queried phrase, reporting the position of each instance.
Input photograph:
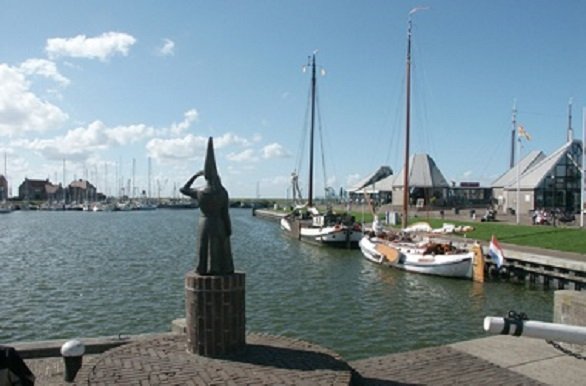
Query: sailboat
(305, 222)
(400, 250)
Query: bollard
(72, 352)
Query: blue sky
(102, 83)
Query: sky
(90, 88)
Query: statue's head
(210, 171)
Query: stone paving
(266, 360)
(270, 360)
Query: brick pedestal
(215, 313)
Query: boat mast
(313, 82)
(5, 195)
(407, 129)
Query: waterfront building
(370, 186)
(81, 191)
(541, 182)
(34, 190)
(55, 193)
(426, 183)
(509, 179)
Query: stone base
(215, 313)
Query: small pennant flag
(523, 133)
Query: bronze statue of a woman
(214, 229)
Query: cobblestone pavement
(266, 360)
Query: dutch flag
(496, 252)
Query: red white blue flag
(496, 252)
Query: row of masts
(128, 189)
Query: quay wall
(551, 269)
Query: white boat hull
(413, 259)
(339, 235)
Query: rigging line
(493, 154)
(426, 135)
(321, 141)
(305, 129)
(394, 140)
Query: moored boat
(432, 258)
(305, 222)
(324, 229)
(440, 259)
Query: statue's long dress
(215, 253)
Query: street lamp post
(553, 207)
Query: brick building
(33, 190)
(82, 191)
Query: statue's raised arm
(187, 190)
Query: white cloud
(244, 156)
(190, 117)
(101, 47)
(352, 179)
(20, 109)
(92, 137)
(123, 135)
(77, 144)
(274, 150)
(168, 48)
(332, 181)
(54, 149)
(44, 67)
(82, 142)
(230, 139)
(189, 146)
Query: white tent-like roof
(527, 163)
(423, 173)
(533, 176)
(371, 179)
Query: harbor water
(84, 274)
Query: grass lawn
(560, 238)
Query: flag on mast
(523, 133)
